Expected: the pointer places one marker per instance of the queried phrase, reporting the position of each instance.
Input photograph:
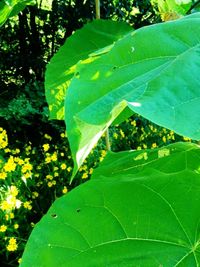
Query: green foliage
(122, 75)
(11, 8)
(138, 206)
(136, 209)
(172, 9)
(19, 108)
(29, 40)
(86, 44)
(140, 77)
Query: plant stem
(97, 6)
(107, 140)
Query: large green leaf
(9, 8)
(140, 209)
(92, 40)
(154, 71)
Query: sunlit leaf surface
(9, 8)
(141, 208)
(93, 40)
(154, 71)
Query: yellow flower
(103, 153)
(84, 167)
(35, 195)
(54, 157)
(144, 146)
(164, 139)
(186, 139)
(16, 151)
(91, 170)
(85, 175)
(26, 167)
(62, 135)
(49, 177)
(3, 228)
(63, 166)
(16, 226)
(122, 133)
(5, 205)
(10, 203)
(56, 174)
(101, 159)
(3, 175)
(134, 123)
(46, 147)
(154, 145)
(3, 139)
(20, 161)
(64, 190)
(12, 244)
(12, 215)
(69, 169)
(10, 165)
(27, 205)
(49, 184)
(48, 159)
(26, 176)
(13, 190)
(115, 135)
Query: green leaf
(154, 71)
(93, 40)
(173, 8)
(10, 8)
(140, 209)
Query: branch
(97, 6)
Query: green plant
(140, 207)
(12, 7)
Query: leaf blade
(93, 40)
(139, 72)
(150, 218)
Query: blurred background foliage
(28, 41)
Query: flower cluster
(31, 178)
(138, 133)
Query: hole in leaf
(77, 74)
(78, 210)
(54, 215)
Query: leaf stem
(97, 6)
(108, 147)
